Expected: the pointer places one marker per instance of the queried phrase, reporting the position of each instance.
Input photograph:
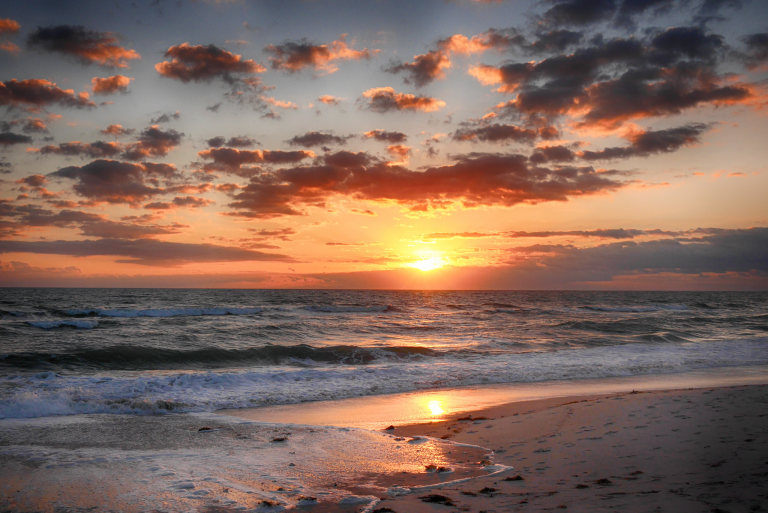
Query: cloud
(98, 149)
(645, 143)
(9, 26)
(166, 118)
(475, 179)
(106, 229)
(143, 251)
(579, 12)
(455, 235)
(399, 151)
(38, 93)
(329, 99)
(9, 138)
(613, 233)
(180, 202)
(366, 212)
(9, 47)
(310, 139)
(117, 131)
(232, 142)
(424, 69)
(280, 233)
(110, 85)
(86, 46)
(385, 99)
(293, 56)
(617, 80)
(497, 133)
(384, 136)
(231, 160)
(724, 252)
(113, 181)
(153, 142)
(757, 49)
(205, 63)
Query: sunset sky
(512, 144)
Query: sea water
(147, 351)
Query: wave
(636, 309)
(161, 312)
(350, 309)
(75, 323)
(49, 393)
(150, 358)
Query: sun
(428, 264)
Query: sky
(465, 144)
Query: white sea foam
(48, 394)
(75, 323)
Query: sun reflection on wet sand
(435, 408)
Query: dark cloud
(29, 125)
(180, 202)
(113, 181)
(153, 142)
(280, 233)
(166, 118)
(293, 56)
(86, 46)
(630, 9)
(110, 85)
(579, 12)
(385, 99)
(95, 150)
(205, 63)
(727, 251)
(617, 80)
(710, 10)
(473, 180)
(388, 137)
(311, 139)
(554, 41)
(645, 143)
(496, 133)
(552, 154)
(232, 142)
(423, 70)
(37, 93)
(617, 233)
(757, 49)
(106, 229)
(9, 138)
(214, 108)
(143, 251)
(231, 160)
(117, 131)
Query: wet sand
(702, 449)
(681, 450)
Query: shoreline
(424, 406)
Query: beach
(703, 449)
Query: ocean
(156, 351)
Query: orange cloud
(85, 45)
(330, 100)
(9, 47)
(110, 85)
(294, 56)
(9, 26)
(203, 63)
(37, 93)
(385, 99)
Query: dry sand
(681, 450)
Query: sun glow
(428, 264)
(435, 408)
